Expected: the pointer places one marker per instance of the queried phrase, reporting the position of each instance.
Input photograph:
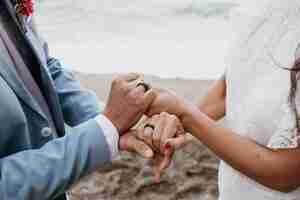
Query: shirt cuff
(111, 134)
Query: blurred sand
(193, 174)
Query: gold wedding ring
(149, 130)
(149, 126)
(144, 85)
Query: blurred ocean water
(168, 38)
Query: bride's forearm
(274, 169)
(213, 102)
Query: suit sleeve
(48, 172)
(78, 104)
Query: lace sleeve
(286, 135)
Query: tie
(23, 72)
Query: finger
(133, 84)
(132, 144)
(142, 148)
(145, 134)
(151, 111)
(157, 175)
(169, 131)
(176, 143)
(159, 128)
(149, 98)
(158, 131)
(154, 102)
(180, 129)
(149, 132)
(139, 133)
(156, 164)
(163, 164)
(138, 92)
(144, 85)
(130, 77)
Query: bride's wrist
(188, 110)
(192, 117)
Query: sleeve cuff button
(46, 132)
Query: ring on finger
(148, 133)
(156, 141)
(146, 86)
(149, 126)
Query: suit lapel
(10, 8)
(47, 86)
(9, 74)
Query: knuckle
(116, 81)
(164, 114)
(156, 117)
(172, 118)
(138, 102)
(123, 87)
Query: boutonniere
(24, 7)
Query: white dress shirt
(111, 134)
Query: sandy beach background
(184, 44)
(192, 176)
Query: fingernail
(168, 148)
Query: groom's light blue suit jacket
(37, 162)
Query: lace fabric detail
(257, 105)
(286, 135)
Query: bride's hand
(168, 101)
(164, 133)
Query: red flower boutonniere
(24, 7)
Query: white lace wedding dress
(257, 94)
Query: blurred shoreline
(170, 38)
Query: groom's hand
(128, 100)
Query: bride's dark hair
(294, 85)
(294, 69)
